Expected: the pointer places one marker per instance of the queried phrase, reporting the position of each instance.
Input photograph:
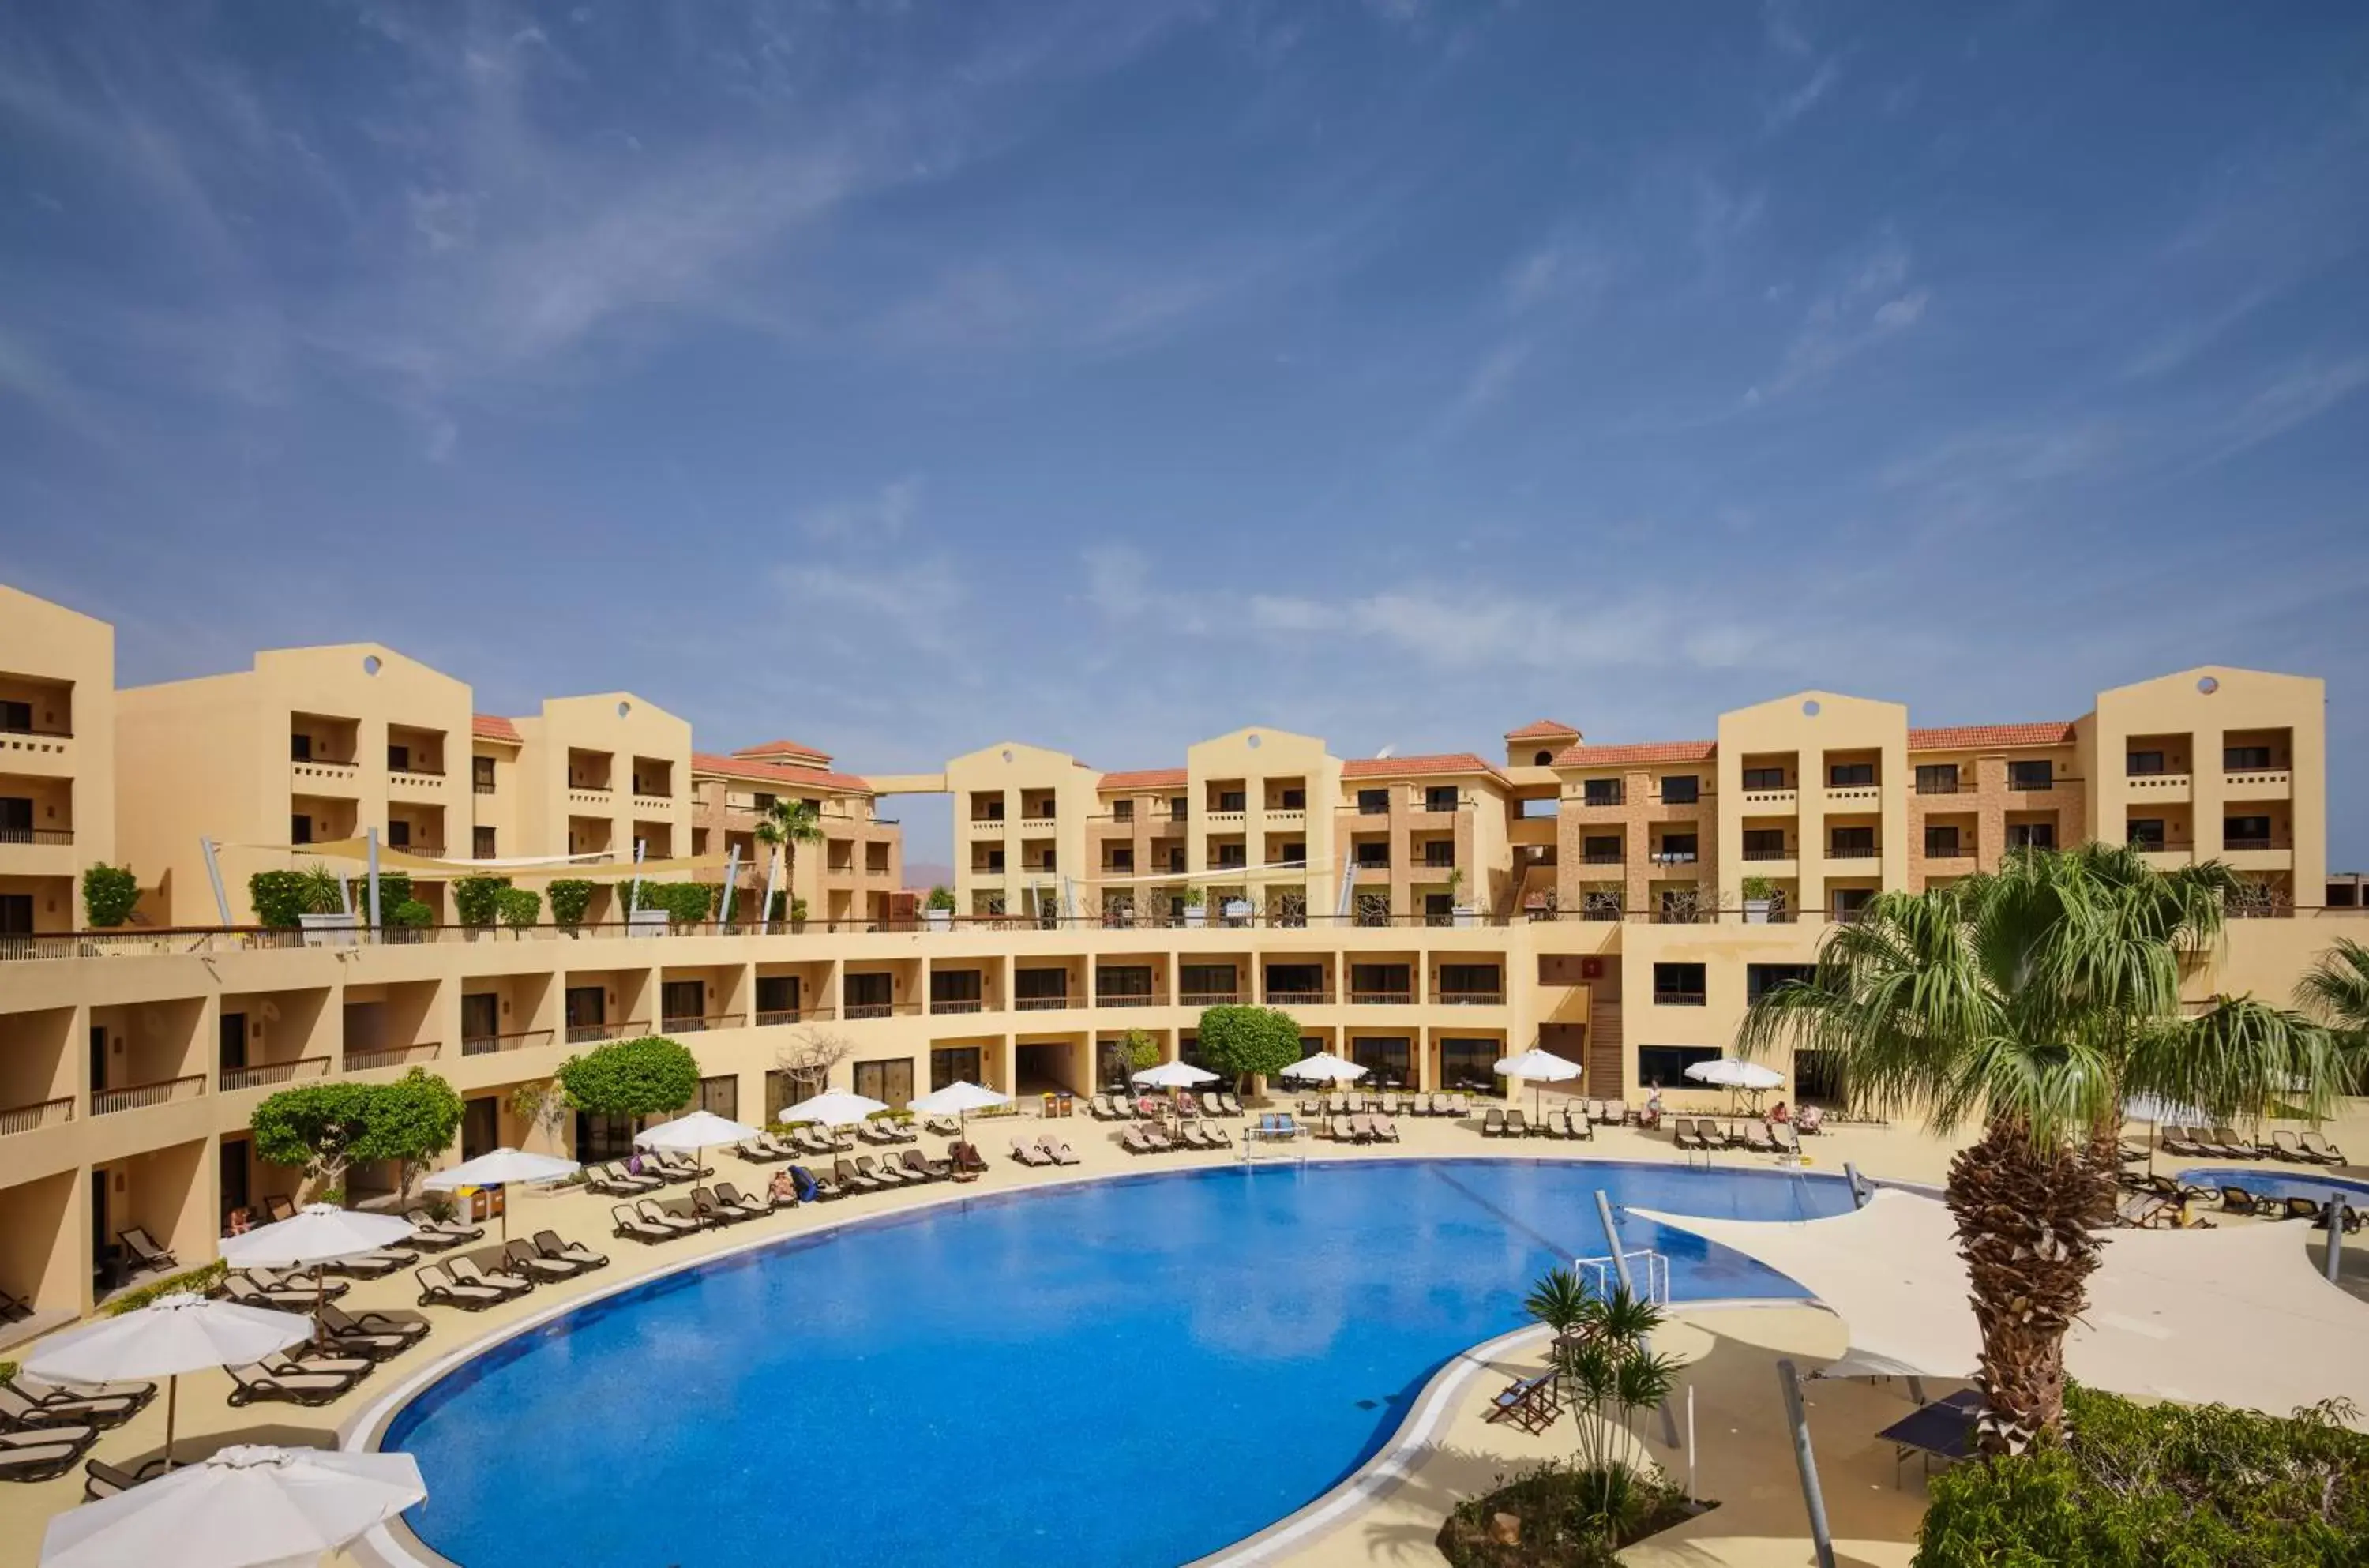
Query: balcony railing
(1853, 852)
(1603, 798)
(36, 835)
(1604, 857)
(273, 1072)
(1952, 850)
(393, 1056)
(1470, 997)
(699, 1023)
(1208, 998)
(880, 1010)
(1673, 857)
(1298, 998)
(42, 730)
(2037, 785)
(1765, 854)
(773, 1017)
(138, 1096)
(527, 1039)
(31, 1118)
(956, 1004)
(1678, 998)
(2251, 844)
(484, 787)
(1127, 999)
(1040, 1003)
(1936, 786)
(1382, 998)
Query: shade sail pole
(731, 875)
(1620, 1268)
(371, 839)
(773, 882)
(1806, 1461)
(214, 874)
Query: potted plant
(1465, 913)
(1196, 912)
(941, 908)
(1759, 895)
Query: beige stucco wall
(1258, 755)
(1840, 725)
(619, 726)
(61, 665)
(1016, 772)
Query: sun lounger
(1382, 1129)
(2204, 1143)
(145, 1251)
(465, 1271)
(303, 1387)
(967, 1158)
(1683, 1133)
(1530, 1403)
(657, 1213)
(2237, 1200)
(1788, 1138)
(42, 1462)
(757, 1207)
(710, 1206)
(2318, 1148)
(825, 1187)
(1758, 1139)
(17, 1408)
(2242, 1148)
(1517, 1125)
(338, 1321)
(2284, 1146)
(281, 1299)
(101, 1480)
(1133, 1140)
(2143, 1211)
(360, 1342)
(57, 1395)
(866, 1165)
(632, 1225)
(367, 1265)
(844, 1172)
(520, 1260)
(1227, 1103)
(1492, 1124)
(459, 1229)
(2175, 1140)
(935, 1170)
(1340, 1128)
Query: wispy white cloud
(1806, 97)
(2295, 398)
(881, 518)
(1874, 300)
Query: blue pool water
(1127, 1373)
(2279, 1183)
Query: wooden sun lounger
(1530, 1403)
(296, 1387)
(629, 1224)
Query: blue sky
(903, 377)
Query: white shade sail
(2155, 1108)
(958, 1098)
(319, 1232)
(500, 1168)
(701, 1129)
(1730, 1074)
(833, 1107)
(2239, 1315)
(1174, 1075)
(172, 1335)
(1323, 1068)
(245, 1506)
(1539, 1067)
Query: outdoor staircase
(1605, 1078)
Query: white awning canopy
(2237, 1315)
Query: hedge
(519, 907)
(279, 896)
(108, 893)
(197, 1281)
(477, 900)
(570, 897)
(2160, 1486)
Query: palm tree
(2335, 990)
(786, 824)
(2030, 1001)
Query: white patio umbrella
(499, 1169)
(315, 1234)
(1539, 1067)
(1174, 1076)
(173, 1334)
(832, 1107)
(694, 1134)
(961, 1097)
(243, 1506)
(1732, 1074)
(1323, 1068)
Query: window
(2244, 759)
(398, 834)
(2040, 774)
(1677, 849)
(2146, 833)
(2245, 832)
(1941, 842)
(1471, 983)
(866, 996)
(1373, 803)
(1470, 1064)
(481, 842)
(890, 1083)
(1388, 1063)
(299, 747)
(1853, 843)
(1764, 843)
(2031, 835)
(1179, 808)
(1380, 982)
(1439, 855)
(1439, 797)
(1937, 778)
(1122, 857)
(299, 829)
(1123, 811)
(1229, 800)
(954, 990)
(1203, 984)
(2343, 894)
(681, 1003)
(1849, 901)
(1602, 792)
(1605, 851)
(1373, 857)
(1122, 980)
(1295, 981)
(1663, 1066)
(777, 999)
(2139, 765)
(1040, 987)
(1764, 778)
(17, 718)
(1681, 789)
(949, 1064)
(1542, 758)
(1175, 860)
(1678, 984)
(1295, 800)
(1850, 775)
(481, 774)
(1295, 854)
(995, 860)
(399, 759)
(1233, 857)
(1759, 979)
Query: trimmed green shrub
(519, 907)
(631, 1078)
(196, 1281)
(477, 900)
(570, 897)
(324, 1127)
(278, 897)
(109, 893)
(1246, 1041)
(941, 897)
(785, 908)
(394, 892)
(1562, 1520)
(2160, 1486)
(685, 903)
(412, 914)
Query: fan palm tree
(2030, 1002)
(784, 825)
(2335, 990)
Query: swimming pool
(2279, 1183)
(1130, 1373)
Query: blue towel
(805, 1179)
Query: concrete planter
(1466, 915)
(1756, 911)
(941, 919)
(1195, 916)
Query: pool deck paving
(1744, 1457)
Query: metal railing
(1679, 998)
(1208, 998)
(36, 729)
(36, 835)
(138, 1096)
(1300, 998)
(1853, 852)
(696, 1024)
(1604, 857)
(854, 1010)
(1769, 854)
(1040, 1003)
(394, 1056)
(1470, 997)
(773, 1017)
(1952, 849)
(1382, 998)
(41, 1114)
(273, 1072)
(956, 1004)
(518, 1040)
(594, 1034)
(1936, 786)
(1128, 999)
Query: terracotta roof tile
(708, 762)
(1966, 736)
(1543, 730)
(1640, 751)
(1142, 778)
(493, 727)
(774, 749)
(1402, 767)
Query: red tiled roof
(1439, 763)
(1142, 778)
(1966, 736)
(1640, 751)
(774, 773)
(493, 727)
(773, 748)
(1543, 729)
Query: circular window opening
(2207, 684)
(1542, 758)
(624, 708)
(1253, 742)
(1811, 707)
(1007, 753)
(370, 664)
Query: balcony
(1673, 857)
(1955, 848)
(1470, 997)
(1854, 852)
(1219, 822)
(1674, 997)
(1041, 824)
(316, 777)
(1854, 798)
(699, 1023)
(581, 794)
(1604, 857)
(2157, 788)
(523, 1039)
(1298, 999)
(1778, 802)
(1208, 998)
(394, 1056)
(36, 835)
(1938, 786)
(1040, 1003)
(2257, 784)
(139, 1096)
(774, 1017)
(1127, 999)
(942, 1005)
(1767, 853)
(33, 1118)
(1382, 998)
(273, 1072)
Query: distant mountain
(923, 875)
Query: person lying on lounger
(783, 1189)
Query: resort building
(1617, 904)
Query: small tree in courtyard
(1248, 1042)
(323, 1128)
(807, 1059)
(632, 1078)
